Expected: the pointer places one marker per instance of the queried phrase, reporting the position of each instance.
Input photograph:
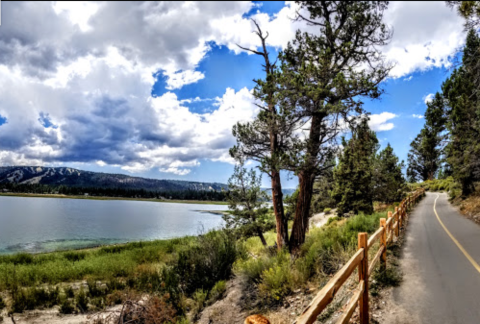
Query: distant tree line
(210, 195)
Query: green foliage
(81, 301)
(217, 291)
(354, 173)
(327, 211)
(74, 256)
(2, 304)
(201, 266)
(66, 307)
(291, 205)
(388, 182)
(463, 111)
(322, 192)
(425, 155)
(31, 298)
(248, 214)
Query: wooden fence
(389, 228)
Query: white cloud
(179, 79)
(417, 116)
(176, 171)
(408, 79)
(90, 67)
(426, 35)
(379, 122)
(428, 98)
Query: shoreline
(197, 202)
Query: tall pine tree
(324, 76)
(388, 181)
(354, 174)
(425, 156)
(463, 100)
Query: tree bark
(262, 238)
(306, 178)
(281, 221)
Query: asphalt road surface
(441, 266)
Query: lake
(49, 224)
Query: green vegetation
(354, 173)
(248, 214)
(452, 117)
(448, 185)
(181, 270)
(277, 275)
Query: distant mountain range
(78, 178)
(69, 177)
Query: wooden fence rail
(387, 231)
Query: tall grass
(325, 249)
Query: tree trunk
(306, 178)
(281, 220)
(262, 238)
(302, 212)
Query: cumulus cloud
(417, 116)
(76, 78)
(179, 79)
(428, 98)
(427, 34)
(380, 122)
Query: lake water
(49, 224)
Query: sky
(153, 89)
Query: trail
(440, 265)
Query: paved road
(441, 276)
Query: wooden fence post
(400, 217)
(397, 229)
(383, 242)
(389, 227)
(363, 275)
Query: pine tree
(463, 97)
(324, 76)
(388, 181)
(354, 174)
(470, 10)
(425, 156)
(248, 214)
(269, 136)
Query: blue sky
(156, 97)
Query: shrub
(327, 210)
(82, 301)
(274, 283)
(31, 298)
(69, 292)
(66, 307)
(98, 303)
(217, 291)
(199, 298)
(2, 304)
(115, 298)
(211, 260)
(94, 290)
(74, 256)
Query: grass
(325, 250)
(98, 264)
(191, 271)
(199, 202)
(187, 273)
